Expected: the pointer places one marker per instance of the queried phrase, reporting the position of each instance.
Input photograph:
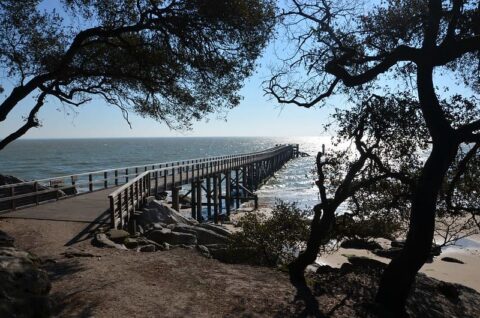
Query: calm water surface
(37, 159)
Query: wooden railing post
(112, 212)
(12, 194)
(90, 182)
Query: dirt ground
(175, 283)
(182, 283)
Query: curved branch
(460, 171)
(401, 53)
(294, 100)
(31, 122)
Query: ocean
(31, 159)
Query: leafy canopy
(175, 61)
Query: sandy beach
(466, 274)
(466, 250)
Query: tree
(174, 61)
(342, 46)
(378, 143)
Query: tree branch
(30, 123)
(399, 54)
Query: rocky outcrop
(204, 235)
(358, 281)
(24, 287)
(156, 212)
(360, 244)
(172, 238)
(164, 228)
(102, 240)
(397, 247)
(452, 260)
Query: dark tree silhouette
(377, 144)
(175, 61)
(343, 46)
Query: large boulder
(172, 238)
(118, 236)
(24, 287)
(156, 212)
(204, 236)
(360, 244)
(102, 240)
(216, 228)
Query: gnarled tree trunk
(320, 228)
(400, 274)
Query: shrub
(271, 240)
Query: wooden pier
(219, 184)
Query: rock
(173, 238)
(452, 260)
(24, 287)
(183, 228)
(204, 236)
(227, 254)
(360, 244)
(118, 236)
(156, 212)
(75, 253)
(4, 180)
(323, 269)
(159, 225)
(397, 244)
(346, 268)
(365, 262)
(162, 195)
(185, 200)
(204, 251)
(388, 253)
(147, 248)
(131, 242)
(6, 240)
(216, 228)
(102, 240)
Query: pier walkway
(215, 184)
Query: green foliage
(367, 228)
(271, 240)
(174, 61)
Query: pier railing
(133, 195)
(24, 194)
